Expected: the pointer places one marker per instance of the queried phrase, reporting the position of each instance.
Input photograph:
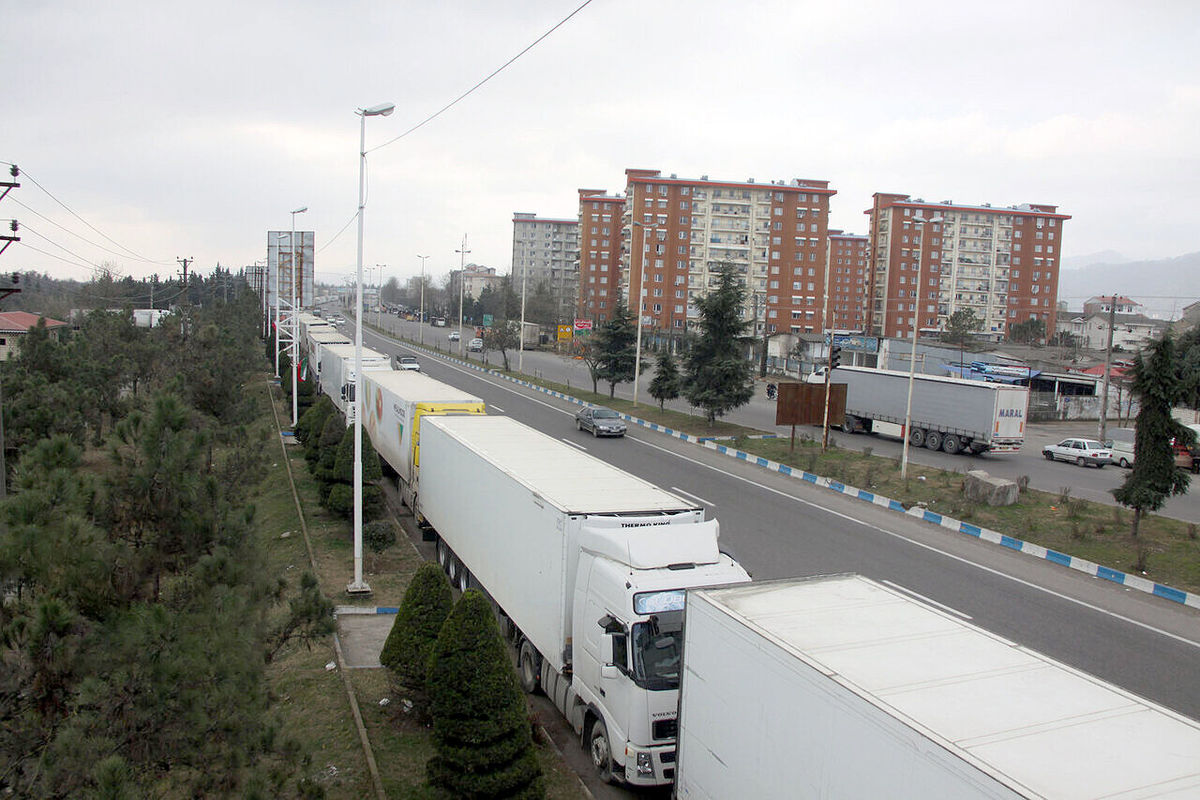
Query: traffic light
(835, 356)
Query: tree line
(136, 613)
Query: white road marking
(919, 596)
(496, 408)
(568, 441)
(694, 497)
(937, 550)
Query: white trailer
(317, 339)
(588, 566)
(337, 374)
(395, 403)
(949, 414)
(839, 687)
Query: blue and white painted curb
(1125, 579)
(363, 610)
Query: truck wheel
(933, 440)
(951, 443)
(529, 663)
(601, 753)
(452, 568)
(464, 578)
(443, 556)
(850, 424)
(916, 437)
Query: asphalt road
(779, 527)
(1088, 483)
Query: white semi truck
(316, 340)
(948, 414)
(337, 374)
(394, 405)
(588, 566)
(840, 687)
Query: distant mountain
(1163, 286)
(1092, 259)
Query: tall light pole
(637, 356)
(521, 333)
(421, 311)
(295, 320)
(358, 585)
(462, 274)
(919, 222)
(379, 297)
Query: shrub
(481, 739)
(426, 605)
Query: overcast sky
(190, 129)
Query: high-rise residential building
(475, 279)
(678, 232)
(600, 245)
(849, 281)
(1000, 262)
(546, 251)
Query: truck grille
(664, 729)
(668, 757)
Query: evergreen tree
(616, 345)
(961, 325)
(665, 385)
(1154, 476)
(341, 500)
(481, 738)
(718, 376)
(426, 605)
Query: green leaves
(719, 377)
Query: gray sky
(190, 129)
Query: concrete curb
(364, 610)
(1125, 579)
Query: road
(1087, 483)
(778, 527)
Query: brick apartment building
(849, 280)
(680, 231)
(599, 253)
(547, 251)
(1003, 263)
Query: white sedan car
(1081, 451)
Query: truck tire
(916, 437)
(933, 440)
(600, 751)
(951, 444)
(529, 667)
(850, 424)
(464, 578)
(443, 556)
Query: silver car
(1081, 451)
(599, 421)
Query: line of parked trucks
(672, 666)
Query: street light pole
(521, 333)
(379, 296)
(637, 356)
(462, 274)
(421, 311)
(358, 585)
(295, 322)
(918, 221)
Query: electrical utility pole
(1112, 321)
(184, 262)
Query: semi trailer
(337, 374)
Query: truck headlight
(645, 764)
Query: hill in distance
(1163, 286)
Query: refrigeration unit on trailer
(337, 373)
(588, 566)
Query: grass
(310, 700)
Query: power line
(60, 247)
(89, 267)
(339, 233)
(68, 230)
(25, 174)
(493, 74)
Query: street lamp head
(300, 210)
(381, 110)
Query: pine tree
(665, 385)
(718, 376)
(426, 605)
(1154, 476)
(617, 342)
(483, 747)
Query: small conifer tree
(481, 738)
(426, 605)
(666, 383)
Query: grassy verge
(311, 700)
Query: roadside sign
(564, 333)
(487, 320)
(583, 324)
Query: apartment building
(677, 233)
(600, 245)
(475, 279)
(849, 281)
(546, 251)
(1000, 262)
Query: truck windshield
(656, 648)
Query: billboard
(279, 266)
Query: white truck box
(394, 403)
(337, 373)
(839, 687)
(965, 415)
(316, 340)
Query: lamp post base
(358, 588)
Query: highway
(780, 527)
